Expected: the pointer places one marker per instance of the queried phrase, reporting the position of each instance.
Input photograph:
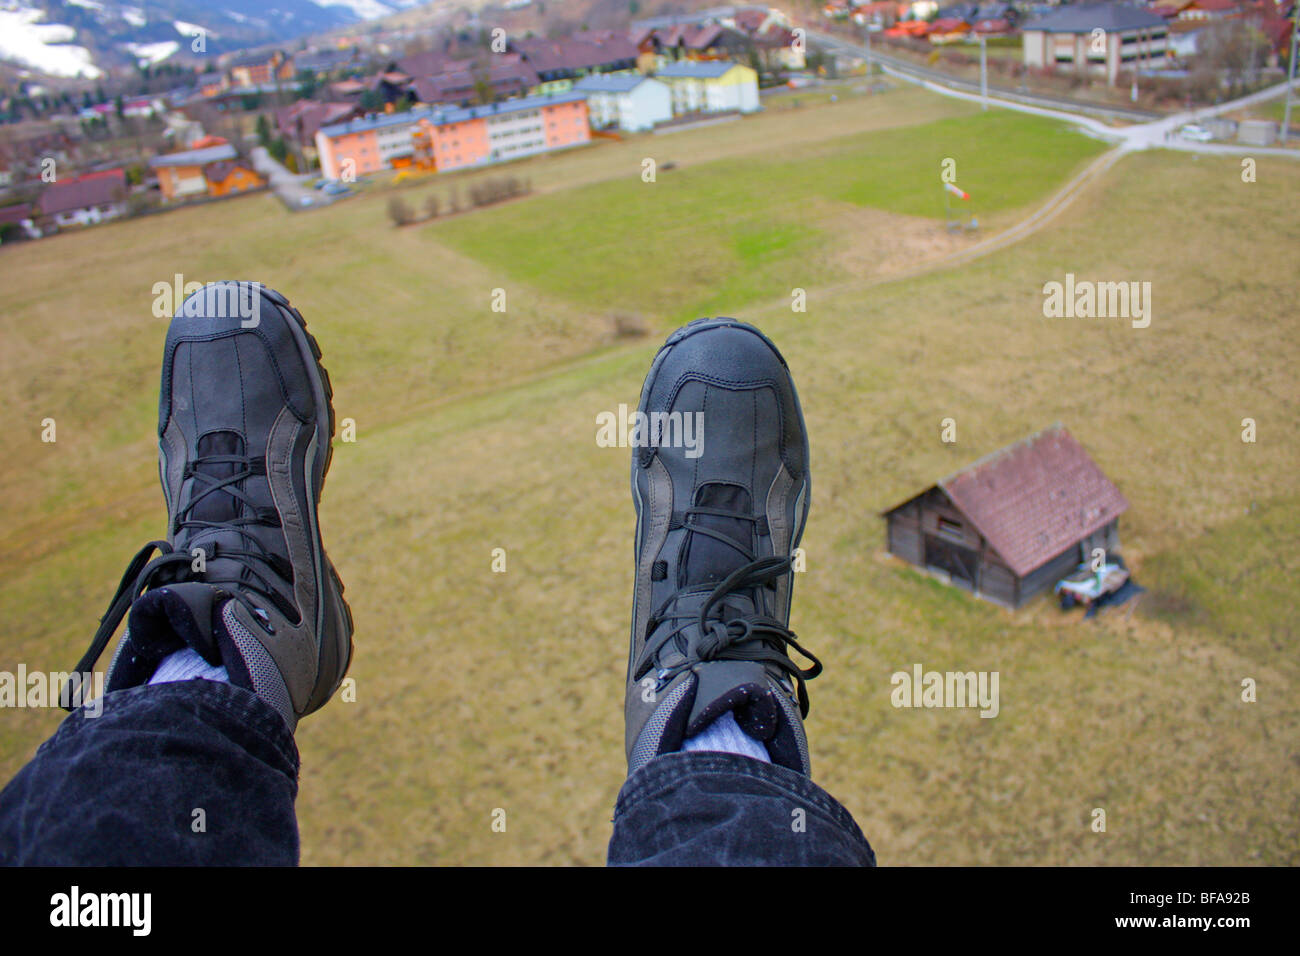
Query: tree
(307, 84)
(263, 130)
(1232, 49)
(483, 93)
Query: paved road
(1159, 131)
(290, 187)
(904, 69)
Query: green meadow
(728, 233)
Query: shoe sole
(323, 393)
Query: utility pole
(1290, 77)
(984, 74)
(866, 33)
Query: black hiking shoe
(719, 513)
(245, 424)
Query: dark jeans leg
(126, 787)
(719, 809)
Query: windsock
(955, 191)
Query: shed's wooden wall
(909, 523)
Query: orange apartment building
(446, 139)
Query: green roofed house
(711, 86)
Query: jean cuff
(657, 779)
(238, 714)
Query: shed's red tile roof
(1034, 499)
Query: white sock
(186, 664)
(725, 735)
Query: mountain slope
(70, 38)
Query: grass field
(712, 237)
(478, 691)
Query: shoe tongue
(708, 560)
(218, 505)
(174, 615)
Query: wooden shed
(1013, 523)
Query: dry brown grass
(479, 690)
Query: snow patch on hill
(152, 53)
(365, 9)
(43, 46)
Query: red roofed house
(558, 64)
(772, 39)
(86, 199)
(752, 20)
(693, 41)
(300, 121)
(993, 28)
(1277, 29)
(948, 30)
(1204, 10)
(462, 82)
(1014, 523)
(880, 13)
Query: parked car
(1084, 585)
(1196, 133)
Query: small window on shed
(950, 529)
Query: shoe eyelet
(264, 619)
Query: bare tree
(1231, 49)
(400, 212)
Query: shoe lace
(753, 636)
(173, 566)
